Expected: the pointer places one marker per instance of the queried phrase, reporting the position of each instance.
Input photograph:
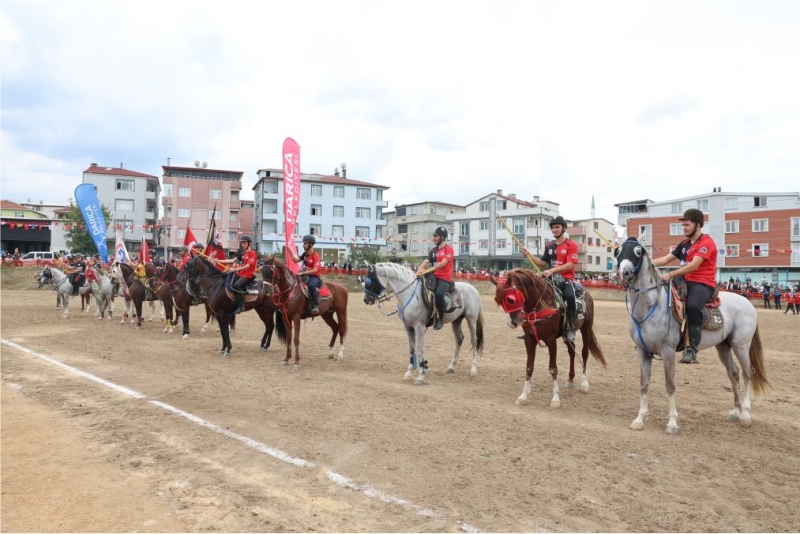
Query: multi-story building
(481, 239)
(757, 234)
(23, 228)
(409, 228)
(193, 196)
(338, 211)
(57, 213)
(132, 198)
(594, 254)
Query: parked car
(38, 258)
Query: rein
(630, 288)
(386, 297)
(535, 315)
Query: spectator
(789, 296)
(765, 293)
(777, 296)
(15, 256)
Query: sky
(437, 100)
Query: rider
(77, 273)
(698, 255)
(311, 269)
(560, 257)
(441, 259)
(184, 257)
(247, 270)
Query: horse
(291, 300)
(45, 279)
(403, 283)
(654, 330)
(103, 291)
(139, 289)
(221, 301)
(534, 302)
(175, 295)
(62, 285)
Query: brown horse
(221, 301)
(140, 288)
(174, 294)
(291, 299)
(536, 304)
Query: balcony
(148, 236)
(150, 215)
(150, 195)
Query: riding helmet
(441, 232)
(199, 245)
(183, 248)
(694, 215)
(247, 238)
(559, 220)
(310, 239)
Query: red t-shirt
(705, 248)
(557, 255)
(797, 297)
(437, 255)
(250, 259)
(311, 261)
(184, 261)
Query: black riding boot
(313, 296)
(569, 330)
(695, 333)
(440, 309)
(75, 289)
(239, 307)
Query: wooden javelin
(527, 254)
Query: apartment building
(192, 196)
(340, 212)
(132, 198)
(23, 228)
(481, 239)
(594, 254)
(409, 228)
(757, 234)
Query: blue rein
(639, 292)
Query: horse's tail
(280, 326)
(343, 316)
(760, 382)
(594, 348)
(479, 332)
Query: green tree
(361, 255)
(78, 237)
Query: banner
(291, 195)
(213, 244)
(120, 252)
(86, 198)
(144, 254)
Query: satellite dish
(344, 166)
(197, 163)
(205, 164)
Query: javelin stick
(209, 258)
(520, 245)
(604, 238)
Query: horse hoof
(419, 382)
(584, 388)
(672, 430)
(284, 364)
(569, 385)
(450, 371)
(733, 417)
(331, 356)
(407, 377)
(636, 425)
(555, 404)
(746, 421)
(184, 337)
(521, 402)
(296, 367)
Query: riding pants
(314, 283)
(239, 289)
(698, 295)
(442, 300)
(568, 292)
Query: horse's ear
(370, 268)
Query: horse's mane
(213, 272)
(401, 271)
(527, 281)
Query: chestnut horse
(292, 302)
(173, 293)
(221, 300)
(140, 288)
(536, 304)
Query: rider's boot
(569, 330)
(440, 310)
(75, 289)
(313, 295)
(695, 333)
(239, 306)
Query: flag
(120, 252)
(86, 198)
(189, 240)
(144, 254)
(213, 244)
(291, 195)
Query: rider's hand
(666, 277)
(547, 273)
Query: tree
(361, 255)
(78, 237)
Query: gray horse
(654, 330)
(63, 288)
(403, 283)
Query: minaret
(592, 206)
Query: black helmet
(559, 220)
(247, 238)
(309, 239)
(198, 244)
(441, 232)
(183, 248)
(694, 215)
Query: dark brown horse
(291, 299)
(536, 304)
(221, 301)
(140, 288)
(173, 293)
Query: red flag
(145, 252)
(189, 239)
(214, 245)
(291, 195)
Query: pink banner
(291, 195)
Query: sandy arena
(454, 455)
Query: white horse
(63, 287)
(415, 315)
(103, 290)
(654, 330)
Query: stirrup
(569, 335)
(438, 324)
(690, 355)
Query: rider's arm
(539, 262)
(291, 253)
(563, 268)
(663, 260)
(686, 269)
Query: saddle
(712, 316)
(429, 298)
(252, 289)
(580, 304)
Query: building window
(338, 230)
(732, 251)
(519, 226)
(484, 225)
(463, 249)
(731, 227)
(184, 191)
(315, 229)
(316, 190)
(181, 232)
(414, 228)
(378, 232)
(362, 213)
(483, 244)
(795, 225)
(760, 225)
(761, 250)
(121, 204)
(215, 193)
(433, 209)
(362, 193)
(413, 210)
(414, 246)
(501, 204)
(759, 202)
(338, 211)
(316, 210)
(125, 185)
(231, 237)
(645, 233)
(235, 196)
(677, 207)
(19, 215)
(213, 214)
(501, 244)
(731, 203)
(702, 204)
(167, 191)
(362, 231)
(675, 229)
(590, 241)
(234, 215)
(596, 226)
(338, 191)
(464, 228)
(184, 212)
(484, 206)
(597, 260)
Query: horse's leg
(209, 318)
(742, 351)
(413, 362)
(422, 362)
(669, 378)
(224, 330)
(459, 335)
(269, 326)
(645, 366)
(571, 377)
(328, 318)
(185, 321)
(530, 348)
(726, 357)
(152, 305)
(586, 333)
(296, 341)
(552, 347)
(65, 301)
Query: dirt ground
(454, 455)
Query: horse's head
(630, 257)
(373, 288)
(518, 294)
(47, 274)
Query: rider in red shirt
(698, 255)
(559, 259)
(246, 271)
(311, 270)
(441, 258)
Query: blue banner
(86, 197)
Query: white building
(410, 227)
(339, 212)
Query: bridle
(514, 302)
(376, 291)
